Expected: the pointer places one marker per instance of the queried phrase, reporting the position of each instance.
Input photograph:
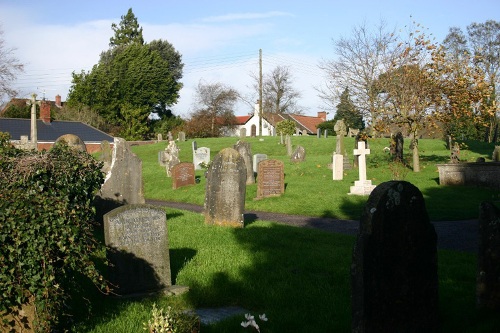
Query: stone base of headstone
(362, 187)
(338, 167)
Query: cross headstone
(298, 155)
(270, 178)
(359, 137)
(256, 159)
(137, 247)
(226, 189)
(340, 130)
(362, 186)
(245, 151)
(488, 275)
(394, 265)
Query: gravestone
(256, 159)
(123, 183)
(243, 132)
(201, 158)
(170, 137)
(282, 142)
(455, 153)
(326, 133)
(170, 157)
(181, 136)
(495, 157)
(72, 141)
(394, 266)
(488, 277)
(244, 149)
(288, 142)
(338, 166)
(398, 149)
(270, 179)
(362, 186)
(160, 137)
(359, 137)
(318, 133)
(298, 155)
(226, 189)
(183, 175)
(106, 156)
(340, 131)
(137, 248)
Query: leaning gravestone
(137, 247)
(256, 159)
(123, 183)
(488, 277)
(226, 189)
(394, 266)
(298, 155)
(245, 151)
(182, 175)
(270, 179)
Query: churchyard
(299, 277)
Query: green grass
(310, 189)
(299, 277)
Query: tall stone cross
(362, 152)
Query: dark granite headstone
(137, 247)
(245, 151)
(398, 152)
(270, 179)
(226, 189)
(298, 155)
(394, 266)
(182, 175)
(488, 277)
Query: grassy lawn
(298, 277)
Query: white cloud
(245, 16)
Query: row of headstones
(394, 263)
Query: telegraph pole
(260, 92)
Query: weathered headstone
(243, 132)
(182, 175)
(340, 131)
(245, 151)
(488, 277)
(326, 133)
(72, 141)
(394, 266)
(455, 153)
(160, 137)
(298, 155)
(170, 157)
(226, 189)
(362, 186)
(318, 133)
(181, 136)
(256, 159)
(123, 183)
(170, 137)
(495, 157)
(201, 158)
(270, 179)
(137, 241)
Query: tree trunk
(416, 160)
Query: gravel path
(452, 235)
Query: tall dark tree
(130, 78)
(127, 32)
(347, 111)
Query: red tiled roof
(242, 120)
(308, 122)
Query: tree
(127, 32)
(214, 110)
(359, 61)
(279, 95)
(130, 75)
(9, 67)
(347, 111)
(286, 127)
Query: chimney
(322, 115)
(58, 101)
(45, 111)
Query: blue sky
(219, 40)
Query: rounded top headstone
(73, 141)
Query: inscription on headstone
(270, 179)
(226, 189)
(137, 241)
(183, 175)
(394, 266)
(201, 158)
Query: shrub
(287, 127)
(46, 228)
